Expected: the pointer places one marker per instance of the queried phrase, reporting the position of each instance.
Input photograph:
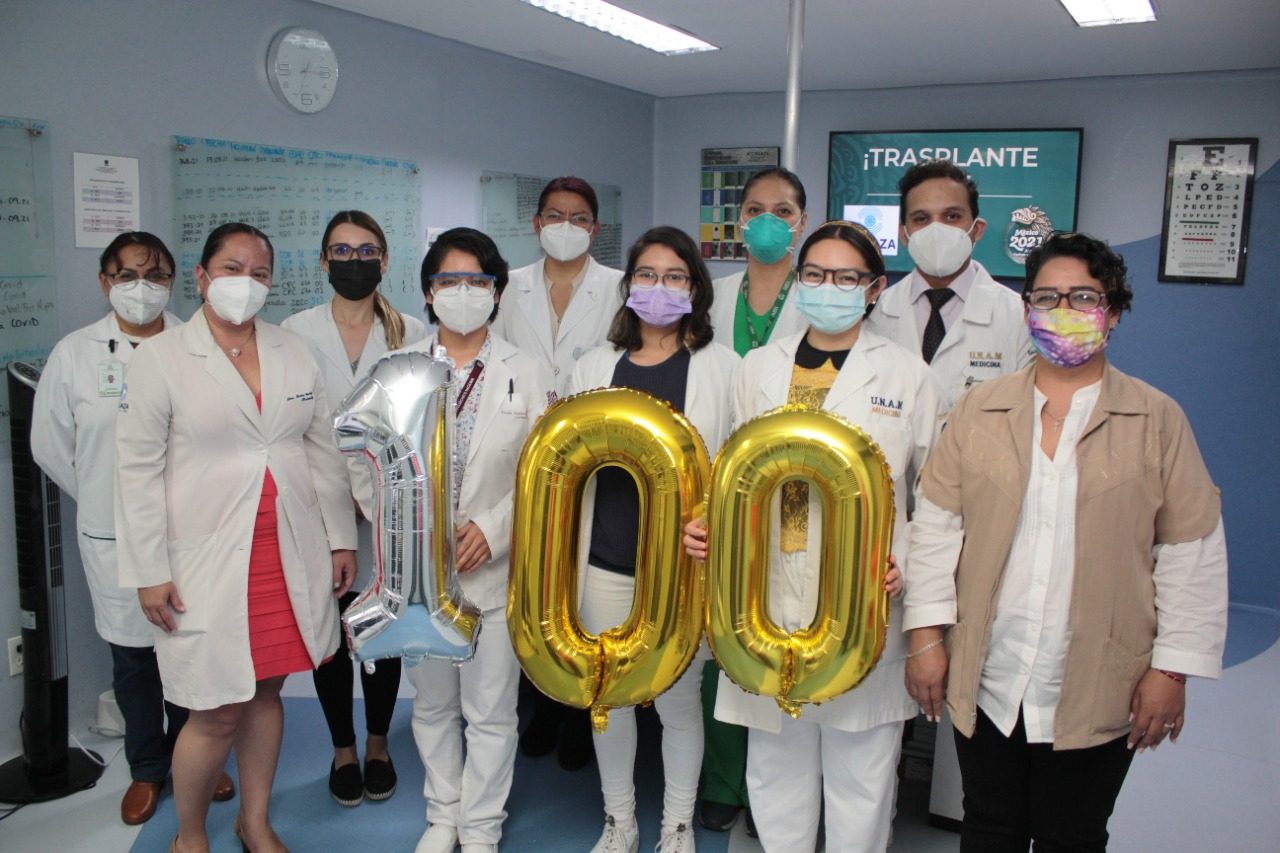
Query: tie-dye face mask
(1067, 337)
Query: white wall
(120, 77)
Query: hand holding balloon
(344, 571)
(472, 550)
(695, 539)
(893, 584)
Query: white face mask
(463, 308)
(564, 241)
(940, 249)
(236, 298)
(139, 301)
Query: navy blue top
(616, 520)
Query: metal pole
(795, 49)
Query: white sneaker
(439, 838)
(678, 840)
(618, 837)
(477, 847)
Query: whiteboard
(291, 194)
(28, 318)
(508, 203)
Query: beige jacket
(1142, 483)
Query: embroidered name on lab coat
(988, 360)
(886, 406)
(304, 397)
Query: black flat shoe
(379, 778)
(751, 826)
(346, 785)
(717, 817)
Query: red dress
(274, 639)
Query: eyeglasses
(1079, 298)
(155, 276)
(343, 252)
(555, 217)
(648, 278)
(844, 279)
(478, 280)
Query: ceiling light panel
(1104, 13)
(628, 26)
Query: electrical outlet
(15, 655)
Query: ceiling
(858, 45)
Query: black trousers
(148, 747)
(1016, 793)
(335, 681)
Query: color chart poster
(725, 171)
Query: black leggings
(334, 684)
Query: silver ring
(1170, 725)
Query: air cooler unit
(47, 769)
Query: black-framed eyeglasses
(365, 252)
(478, 280)
(1079, 298)
(844, 279)
(555, 217)
(648, 278)
(155, 276)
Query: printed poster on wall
(1206, 210)
(725, 171)
(106, 198)
(1028, 184)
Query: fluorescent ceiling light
(1103, 13)
(628, 26)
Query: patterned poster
(725, 171)
(1206, 210)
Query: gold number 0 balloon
(845, 640)
(643, 656)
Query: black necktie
(935, 330)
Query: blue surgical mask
(768, 238)
(829, 309)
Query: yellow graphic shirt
(809, 387)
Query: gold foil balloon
(845, 640)
(639, 659)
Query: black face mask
(355, 279)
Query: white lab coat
(73, 438)
(524, 317)
(724, 309)
(706, 405)
(989, 340)
(317, 326)
(874, 369)
(192, 450)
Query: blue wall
(1212, 348)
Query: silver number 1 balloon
(400, 421)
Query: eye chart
(1206, 210)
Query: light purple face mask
(659, 305)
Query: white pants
(789, 774)
(606, 601)
(469, 794)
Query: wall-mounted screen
(1028, 185)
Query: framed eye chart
(1207, 197)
